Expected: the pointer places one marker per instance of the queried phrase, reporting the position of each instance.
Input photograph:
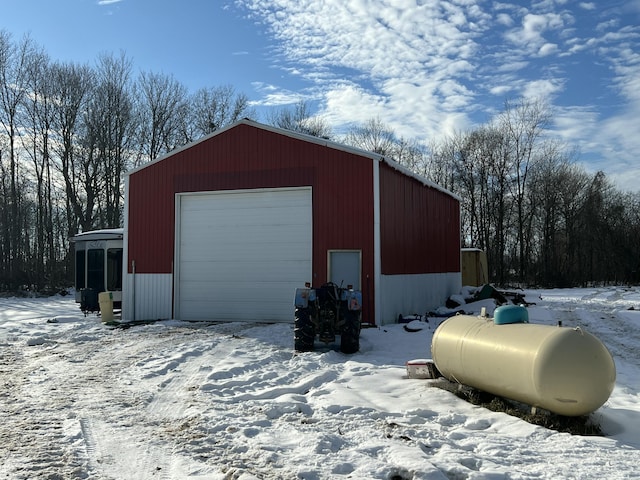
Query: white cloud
(428, 68)
(611, 23)
(607, 144)
(396, 44)
(534, 26)
(505, 19)
(587, 5)
(510, 64)
(273, 96)
(350, 101)
(108, 2)
(626, 64)
(501, 90)
(548, 49)
(576, 123)
(542, 88)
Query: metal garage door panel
(242, 254)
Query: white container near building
(98, 265)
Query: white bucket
(106, 306)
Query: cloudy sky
(427, 68)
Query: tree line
(69, 132)
(540, 216)
(542, 219)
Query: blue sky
(427, 68)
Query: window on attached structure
(95, 269)
(114, 269)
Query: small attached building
(98, 265)
(227, 227)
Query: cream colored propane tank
(564, 370)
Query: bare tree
(410, 154)
(477, 169)
(373, 136)
(573, 190)
(522, 125)
(109, 138)
(595, 228)
(161, 106)
(300, 119)
(14, 87)
(36, 143)
(632, 234)
(72, 85)
(214, 108)
(474, 166)
(439, 165)
(553, 187)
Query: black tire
(303, 332)
(350, 338)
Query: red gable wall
(419, 226)
(247, 157)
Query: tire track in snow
(262, 411)
(59, 434)
(32, 434)
(229, 380)
(93, 456)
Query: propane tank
(564, 370)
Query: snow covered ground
(176, 400)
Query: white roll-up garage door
(240, 255)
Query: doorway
(345, 267)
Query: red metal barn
(227, 227)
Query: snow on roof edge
(425, 181)
(103, 232)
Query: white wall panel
(408, 294)
(147, 297)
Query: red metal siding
(419, 226)
(247, 157)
